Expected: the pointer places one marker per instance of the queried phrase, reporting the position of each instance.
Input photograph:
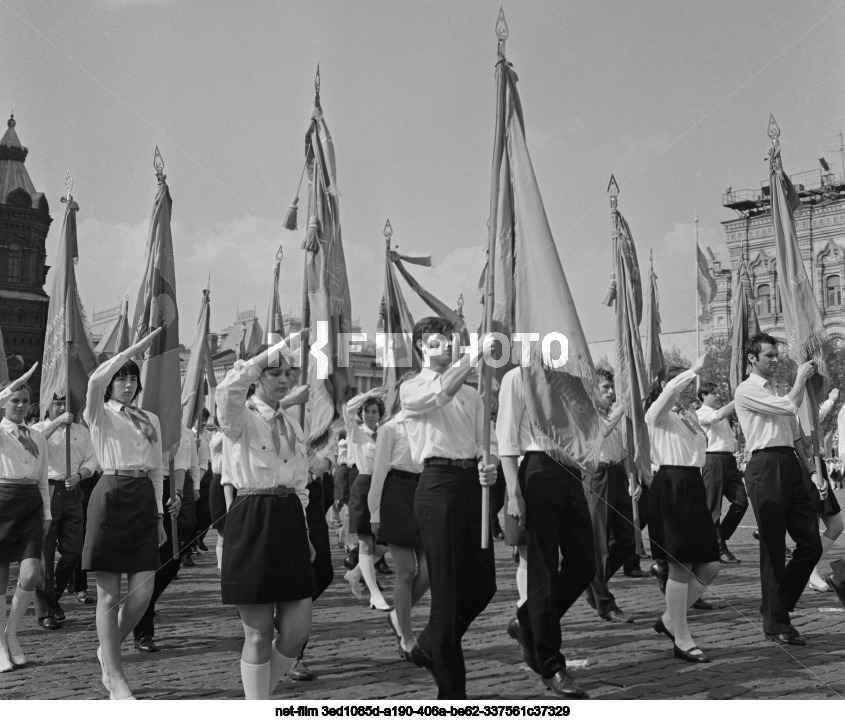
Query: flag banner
(654, 361)
(193, 386)
(706, 282)
(117, 339)
(423, 260)
(632, 387)
(561, 393)
(241, 351)
(68, 356)
(326, 284)
(437, 305)
(156, 308)
(275, 327)
(744, 324)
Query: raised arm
(661, 408)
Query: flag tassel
(290, 217)
(312, 242)
(610, 296)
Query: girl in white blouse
(24, 511)
(125, 515)
(679, 522)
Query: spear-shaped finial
(501, 31)
(774, 128)
(68, 198)
(388, 233)
(613, 191)
(461, 305)
(208, 284)
(279, 255)
(317, 86)
(158, 164)
(651, 257)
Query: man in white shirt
(445, 423)
(776, 488)
(721, 475)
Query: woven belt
(280, 491)
(453, 462)
(126, 473)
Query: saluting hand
(18, 382)
(142, 344)
(698, 366)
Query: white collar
(9, 426)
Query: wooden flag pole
(487, 372)
(71, 208)
(630, 468)
(814, 427)
(174, 534)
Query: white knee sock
(676, 607)
(5, 663)
(816, 578)
(695, 590)
(218, 550)
(366, 564)
(522, 584)
(256, 680)
(279, 666)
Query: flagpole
(71, 208)
(697, 295)
(498, 150)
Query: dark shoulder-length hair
(666, 374)
(130, 368)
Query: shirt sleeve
(705, 416)
(381, 466)
(754, 398)
(421, 395)
(231, 397)
(840, 425)
(157, 472)
(511, 404)
(98, 383)
(660, 409)
(824, 409)
(43, 482)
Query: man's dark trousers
(722, 478)
(781, 504)
(612, 515)
(557, 524)
(447, 506)
(66, 532)
(318, 532)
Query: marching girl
(266, 566)
(682, 530)
(391, 505)
(125, 513)
(361, 448)
(24, 511)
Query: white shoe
(355, 586)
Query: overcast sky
(672, 96)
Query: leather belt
(18, 482)
(403, 474)
(453, 462)
(281, 491)
(126, 473)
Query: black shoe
(790, 638)
(688, 655)
(636, 572)
(145, 644)
(727, 557)
(660, 570)
(838, 587)
(351, 559)
(51, 623)
(420, 659)
(84, 597)
(382, 567)
(188, 561)
(617, 616)
(660, 627)
(60, 614)
(702, 605)
(756, 534)
(202, 546)
(564, 685)
(529, 655)
(299, 671)
(788, 552)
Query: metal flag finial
(461, 304)
(501, 30)
(158, 164)
(388, 232)
(68, 182)
(68, 198)
(279, 255)
(774, 128)
(613, 191)
(317, 85)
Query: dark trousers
(722, 478)
(612, 515)
(318, 532)
(447, 506)
(66, 533)
(169, 566)
(203, 510)
(781, 504)
(561, 558)
(187, 517)
(80, 577)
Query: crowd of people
(406, 480)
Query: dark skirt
(514, 532)
(828, 506)
(359, 507)
(266, 557)
(342, 474)
(217, 503)
(398, 522)
(122, 531)
(680, 525)
(21, 522)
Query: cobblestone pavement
(354, 656)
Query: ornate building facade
(24, 222)
(820, 225)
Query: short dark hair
(205, 413)
(429, 325)
(372, 402)
(705, 389)
(604, 374)
(754, 344)
(130, 368)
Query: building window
(764, 298)
(13, 266)
(834, 290)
